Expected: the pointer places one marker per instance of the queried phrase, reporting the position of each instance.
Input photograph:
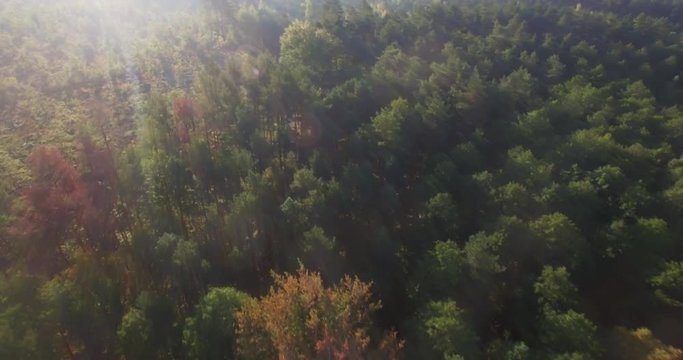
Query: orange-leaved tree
(300, 318)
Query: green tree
(333, 16)
(445, 328)
(314, 55)
(569, 333)
(518, 86)
(555, 289)
(210, 332)
(560, 241)
(440, 272)
(555, 68)
(24, 334)
(392, 122)
(669, 284)
(442, 209)
(148, 329)
(482, 253)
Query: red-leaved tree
(64, 206)
(184, 115)
(98, 175)
(54, 202)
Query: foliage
(320, 322)
(210, 332)
(507, 175)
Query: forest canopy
(341, 179)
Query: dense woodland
(380, 179)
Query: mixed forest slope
(358, 179)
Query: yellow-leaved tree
(300, 318)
